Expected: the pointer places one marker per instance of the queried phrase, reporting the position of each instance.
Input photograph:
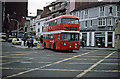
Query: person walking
(24, 39)
(31, 41)
(41, 39)
(28, 42)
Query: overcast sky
(33, 5)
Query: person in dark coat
(28, 42)
(41, 39)
(31, 41)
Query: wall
(0, 16)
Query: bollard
(22, 43)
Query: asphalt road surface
(20, 63)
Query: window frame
(102, 21)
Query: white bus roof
(60, 31)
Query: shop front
(100, 39)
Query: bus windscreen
(70, 36)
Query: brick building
(15, 12)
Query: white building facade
(39, 25)
(97, 23)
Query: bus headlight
(75, 43)
(75, 46)
(64, 43)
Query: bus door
(58, 43)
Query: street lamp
(17, 26)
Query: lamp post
(17, 26)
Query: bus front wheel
(54, 47)
(70, 50)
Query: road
(30, 63)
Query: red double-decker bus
(61, 33)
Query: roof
(63, 16)
(94, 4)
(53, 3)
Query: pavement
(89, 48)
(97, 48)
(25, 47)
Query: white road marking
(61, 69)
(47, 65)
(80, 70)
(94, 65)
(85, 59)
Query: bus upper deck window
(74, 21)
(66, 20)
(66, 28)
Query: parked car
(35, 42)
(10, 39)
(16, 41)
(2, 37)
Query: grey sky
(33, 5)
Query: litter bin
(38, 45)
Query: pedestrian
(24, 39)
(82, 44)
(41, 39)
(28, 42)
(31, 41)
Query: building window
(38, 29)
(102, 11)
(91, 23)
(82, 14)
(118, 10)
(59, 5)
(77, 13)
(53, 7)
(102, 22)
(85, 23)
(86, 12)
(110, 10)
(65, 4)
(110, 21)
